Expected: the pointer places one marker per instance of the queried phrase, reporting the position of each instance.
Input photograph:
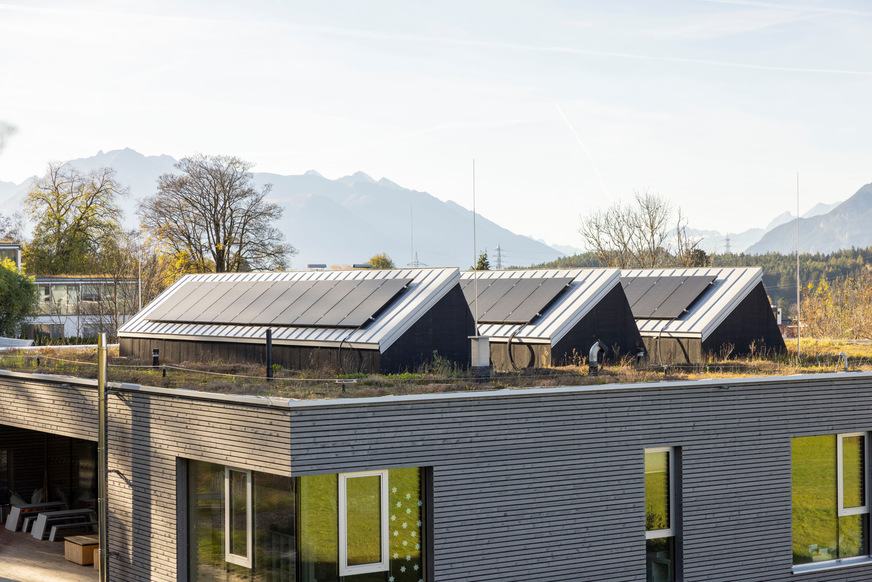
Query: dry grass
(817, 356)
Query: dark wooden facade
(609, 321)
(443, 330)
(750, 329)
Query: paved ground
(25, 559)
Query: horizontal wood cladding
(56, 407)
(174, 351)
(148, 431)
(526, 485)
(551, 486)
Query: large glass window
(271, 513)
(660, 514)
(296, 530)
(830, 492)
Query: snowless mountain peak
(357, 177)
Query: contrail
(586, 151)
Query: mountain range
(343, 221)
(350, 219)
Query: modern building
(712, 480)
(351, 321)
(543, 318)
(685, 314)
(82, 306)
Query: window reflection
(823, 527)
(296, 527)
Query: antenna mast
(412, 236)
(474, 251)
(798, 312)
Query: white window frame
(244, 561)
(843, 511)
(670, 467)
(381, 565)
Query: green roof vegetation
(818, 356)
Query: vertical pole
(269, 361)
(798, 312)
(474, 253)
(412, 237)
(102, 456)
(139, 265)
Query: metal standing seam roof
(587, 289)
(731, 286)
(426, 288)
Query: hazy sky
(565, 106)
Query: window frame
(670, 468)
(244, 561)
(840, 475)
(383, 565)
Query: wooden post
(269, 360)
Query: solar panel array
(512, 300)
(665, 297)
(311, 303)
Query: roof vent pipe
(593, 358)
(843, 357)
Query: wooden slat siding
(551, 486)
(58, 407)
(148, 433)
(527, 484)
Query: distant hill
(340, 222)
(845, 226)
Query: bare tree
(638, 235)
(12, 227)
(212, 215)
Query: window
(294, 525)
(363, 522)
(830, 498)
(660, 514)
(237, 517)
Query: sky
(561, 107)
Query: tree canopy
(17, 299)
(483, 263)
(212, 216)
(381, 261)
(76, 215)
